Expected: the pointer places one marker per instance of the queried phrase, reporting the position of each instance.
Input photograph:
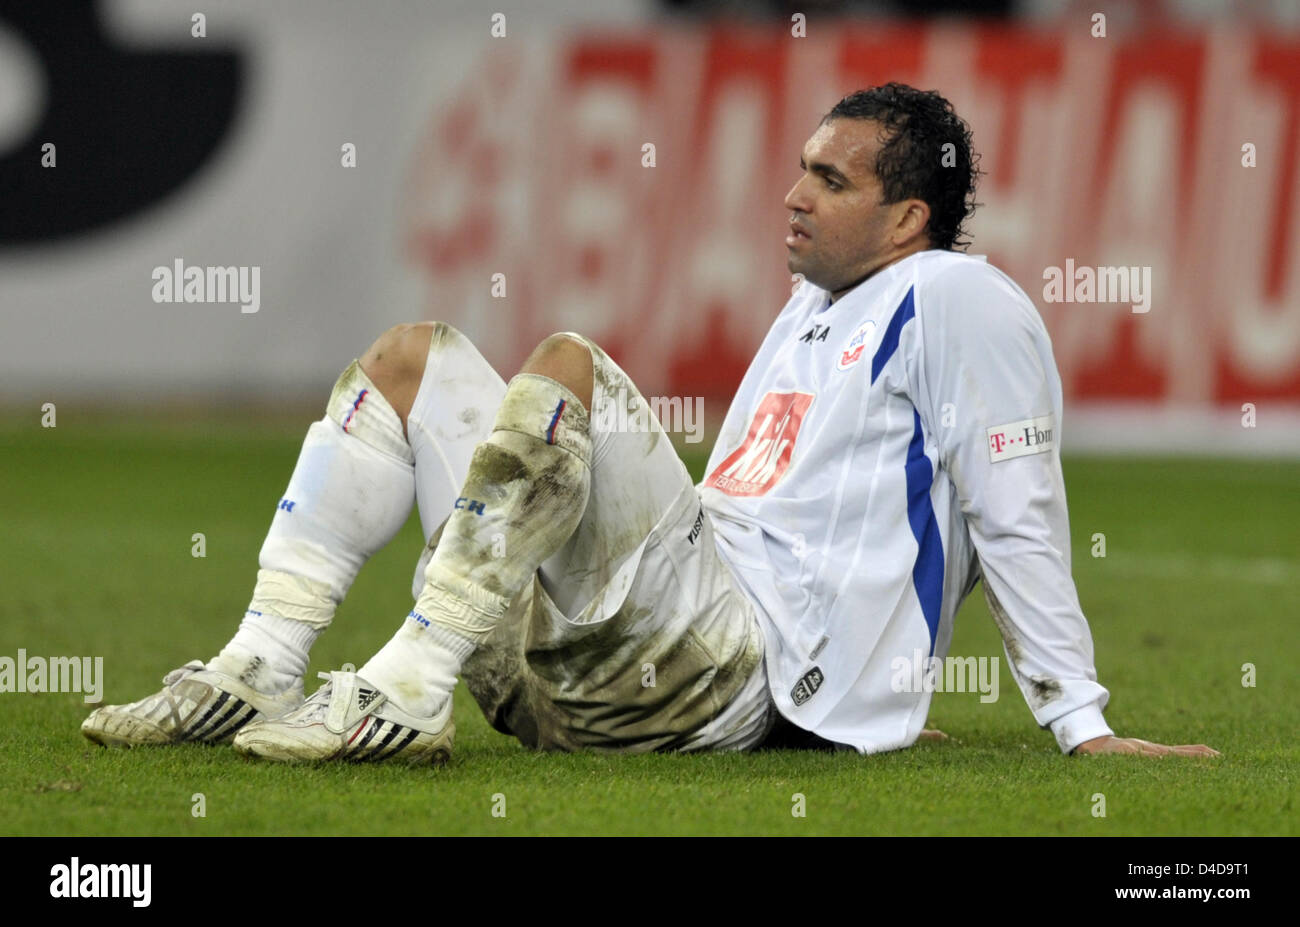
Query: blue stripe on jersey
(927, 572)
(889, 340)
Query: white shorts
(634, 635)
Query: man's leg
(527, 489)
(349, 494)
(635, 636)
(522, 495)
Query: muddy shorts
(633, 636)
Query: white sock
(349, 494)
(525, 493)
(268, 653)
(418, 667)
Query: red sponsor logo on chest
(763, 457)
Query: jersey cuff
(1080, 725)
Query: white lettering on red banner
(763, 457)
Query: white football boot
(350, 719)
(196, 704)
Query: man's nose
(796, 200)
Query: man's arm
(983, 350)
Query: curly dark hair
(912, 163)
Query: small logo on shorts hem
(807, 687)
(697, 527)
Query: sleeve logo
(762, 459)
(1018, 439)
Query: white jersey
(881, 453)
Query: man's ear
(913, 218)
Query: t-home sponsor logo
(1018, 439)
(181, 284)
(53, 674)
(76, 879)
(1098, 285)
(924, 673)
(621, 413)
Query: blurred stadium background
(522, 154)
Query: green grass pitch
(1201, 575)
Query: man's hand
(1111, 744)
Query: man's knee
(395, 363)
(566, 359)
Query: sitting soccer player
(895, 441)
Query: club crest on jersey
(763, 457)
(857, 346)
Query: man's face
(840, 231)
